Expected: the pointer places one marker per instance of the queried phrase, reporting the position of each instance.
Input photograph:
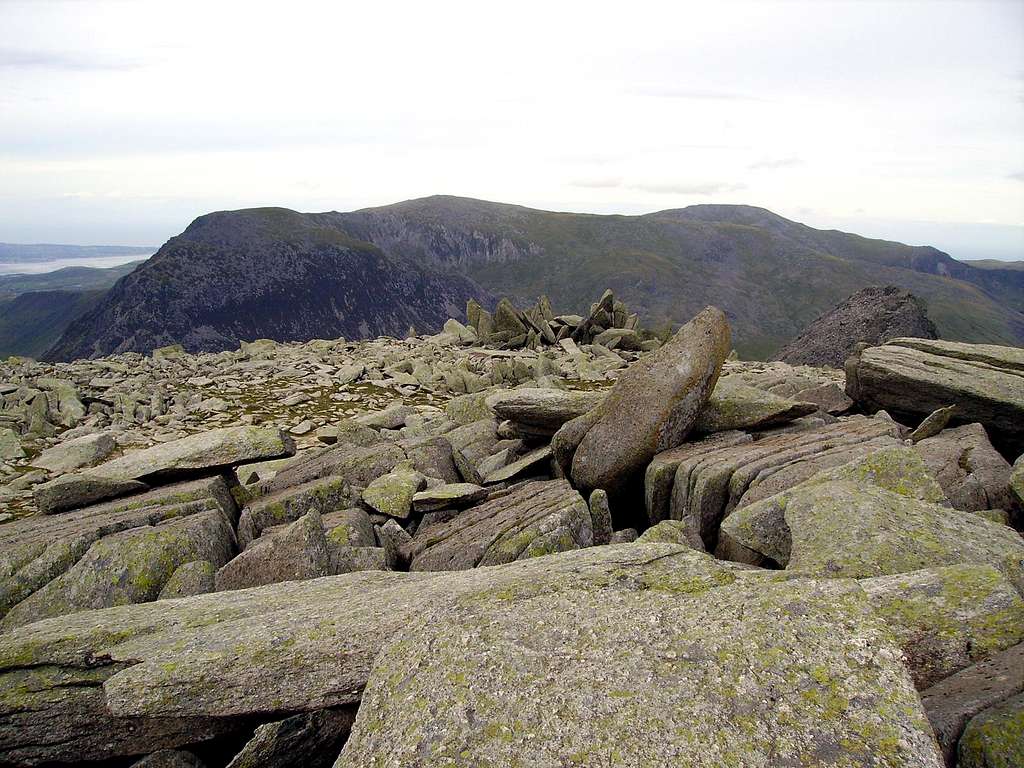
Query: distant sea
(49, 265)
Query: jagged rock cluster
(609, 324)
(428, 552)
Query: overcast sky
(120, 122)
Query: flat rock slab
(734, 405)
(448, 496)
(132, 679)
(209, 451)
(794, 673)
(535, 519)
(538, 411)
(917, 377)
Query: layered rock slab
(132, 679)
(537, 518)
(797, 673)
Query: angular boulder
(972, 473)
(76, 453)
(994, 738)
(534, 519)
(538, 412)
(737, 406)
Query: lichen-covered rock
(946, 619)
(737, 406)
(972, 473)
(448, 496)
(534, 519)
(540, 412)
(933, 423)
(792, 673)
(349, 528)
(536, 461)
(758, 533)
(951, 703)
(81, 489)
(994, 738)
(76, 453)
(311, 739)
(10, 444)
(209, 451)
(392, 494)
(298, 551)
(174, 672)
(188, 579)
(359, 465)
(129, 567)
(667, 532)
(601, 517)
(849, 527)
(323, 495)
(654, 403)
(916, 377)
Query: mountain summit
(291, 276)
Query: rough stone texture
(78, 490)
(323, 495)
(758, 533)
(207, 451)
(654, 403)
(951, 703)
(737, 406)
(10, 445)
(349, 528)
(35, 550)
(76, 453)
(933, 423)
(194, 578)
(539, 412)
(711, 479)
(392, 494)
(795, 673)
(537, 459)
(857, 529)
(872, 316)
(448, 496)
(534, 519)
(312, 738)
(299, 551)
(829, 398)
(129, 567)
(601, 517)
(948, 618)
(359, 465)
(667, 532)
(916, 377)
(174, 671)
(970, 471)
(994, 738)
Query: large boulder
(539, 412)
(75, 453)
(133, 679)
(914, 377)
(994, 738)
(207, 451)
(312, 738)
(534, 519)
(654, 403)
(792, 673)
(872, 315)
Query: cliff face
(265, 273)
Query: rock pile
(429, 552)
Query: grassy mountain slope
(65, 279)
(31, 322)
(772, 276)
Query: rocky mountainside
(770, 275)
(871, 316)
(279, 274)
(265, 273)
(30, 323)
(435, 551)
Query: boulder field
(538, 540)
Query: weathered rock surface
(737, 406)
(534, 519)
(994, 738)
(871, 316)
(951, 703)
(971, 472)
(448, 496)
(80, 489)
(169, 758)
(654, 404)
(315, 738)
(916, 377)
(538, 412)
(173, 672)
(392, 494)
(76, 453)
(946, 619)
(796, 673)
(194, 578)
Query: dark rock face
(872, 315)
(265, 273)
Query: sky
(120, 122)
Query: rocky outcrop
(994, 738)
(871, 316)
(971, 472)
(653, 405)
(914, 377)
(698, 677)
